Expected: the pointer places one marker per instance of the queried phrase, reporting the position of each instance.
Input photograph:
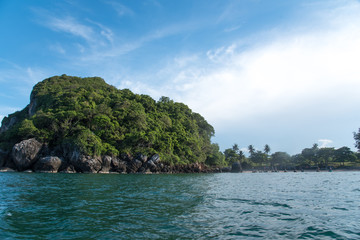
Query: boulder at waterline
(24, 154)
(49, 164)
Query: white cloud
(70, 25)
(298, 69)
(283, 79)
(324, 142)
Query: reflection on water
(186, 206)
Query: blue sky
(283, 73)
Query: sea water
(302, 205)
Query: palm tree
(267, 151)
(251, 150)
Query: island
(85, 125)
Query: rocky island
(84, 125)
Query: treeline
(312, 157)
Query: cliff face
(86, 125)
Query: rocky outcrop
(133, 166)
(105, 164)
(118, 165)
(32, 155)
(87, 164)
(68, 169)
(24, 154)
(48, 164)
(8, 124)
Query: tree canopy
(99, 119)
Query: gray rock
(141, 157)
(133, 166)
(152, 166)
(86, 164)
(32, 106)
(48, 164)
(106, 164)
(155, 158)
(24, 154)
(118, 165)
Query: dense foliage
(99, 119)
(313, 157)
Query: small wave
(256, 203)
(313, 232)
(339, 208)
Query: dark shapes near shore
(236, 167)
(31, 156)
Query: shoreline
(207, 171)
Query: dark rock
(86, 164)
(69, 169)
(24, 154)
(151, 166)
(106, 164)
(118, 165)
(226, 169)
(155, 158)
(48, 164)
(126, 157)
(141, 157)
(133, 166)
(236, 167)
(2, 157)
(141, 170)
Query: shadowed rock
(134, 166)
(118, 165)
(87, 164)
(106, 164)
(48, 164)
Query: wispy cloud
(71, 26)
(121, 9)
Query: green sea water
(323, 205)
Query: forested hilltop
(87, 115)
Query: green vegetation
(88, 115)
(98, 119)
(313, 157)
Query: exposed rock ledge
(31, 155)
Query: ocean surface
(290, 205)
